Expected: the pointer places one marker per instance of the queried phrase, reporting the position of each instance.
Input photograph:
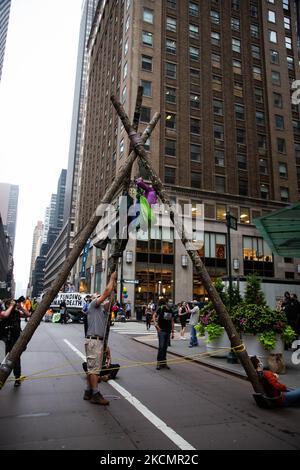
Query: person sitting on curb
(275, 390)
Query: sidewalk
(181, 348)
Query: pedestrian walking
(194, 320)
(148, 315)
(183, 312)
(164, 324)
(27, 305)
(97, 316)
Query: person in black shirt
(164, 324)
(11, 322)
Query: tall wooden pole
(20, 345)
(196, 260)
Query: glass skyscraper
(4, 18)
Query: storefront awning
(281, 230)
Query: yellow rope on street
(37, 376)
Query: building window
(245, 215)
(147, 63)
(276, 80)
(147, 88)
(257, 257)
(277, 100)
(220, 184)
(215, 38)
(170, 95)
(214, 17)
(148, 16)
(145, 114)
(288, 42)
(216, 60)
(237, 66)
(218, 107)
(274, 56)
(281, 145)
(194, 101)
(195, 126)
(171, 24)
(171, 4)
(221, 212)
(193, 9)
(195, 152)
(241, 136)
(218, 132)
(290, 62)
(235, 5)
(258, 93)
(253, 11)
(238, 89)
(243, 187)
(121, 148)
(194, 31)
(263, 166)
(256, 72)
(279, 122)
(236, 45)
(170, 46)
(235, 24)
(272, 36)
(219, 157)
(194, 53)
(170, 121)
(260, 118)
(283, 173)
(242, 161)
(195, 180)
(170, 175)
(125, 70)
(171, 70)
(264, 191)
(216, 83)
(239, 111)
(271, 16)
(287, 22)
(286, 4)
(255, 51)
(147, 38)
(284, 194)
(170, 148)
(254, 30)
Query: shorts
(183, 319)
(93, 350)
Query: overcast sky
(36, 97)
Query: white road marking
(155, 420)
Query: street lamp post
(231, 223)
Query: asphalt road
(187, 407)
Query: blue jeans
(163, 343)
(193, 339)
(292, 397)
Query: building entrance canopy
(281, 230)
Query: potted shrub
(210, 325)
(263, 329)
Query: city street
(187, 407)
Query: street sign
(131, 281)
(231, 221)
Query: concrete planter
(255, 348)
(221, 344)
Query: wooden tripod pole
(196, 260)
(20, 345)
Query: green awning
(281, 230)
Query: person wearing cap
(97, 315)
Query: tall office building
(36, 247)
(63, 242)
(220, 74)
(9, 195)
(4, 19)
